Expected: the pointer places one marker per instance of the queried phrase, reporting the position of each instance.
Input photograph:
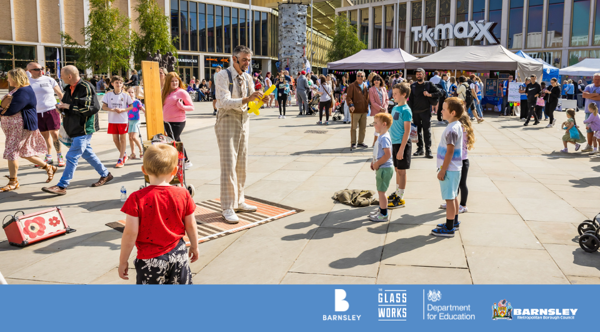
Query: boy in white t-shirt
(449, 163)
(118, 103)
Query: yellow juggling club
(254, 106)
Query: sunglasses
(359, 76)
(37, 69)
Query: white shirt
(453, 134)
(435, 79)
(232, 101)
(325, 88)
(43, 88)
(121, 100)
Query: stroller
(589, 231)
(338, 112)
(313, 105)
(179, 179)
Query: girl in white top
(325, 101)
(268, 84)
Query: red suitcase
(24, 230)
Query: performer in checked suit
(234, 90)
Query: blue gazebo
(549, 71)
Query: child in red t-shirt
(158, 216)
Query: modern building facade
(206, 32)
(561, 32)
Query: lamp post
(62, 40)
(312, 34)
(251, 20)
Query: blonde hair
(468, 128)
(594, 108)
(385, 118)
(160, 159)
(167, 87)
(19, 77)
(456, 105)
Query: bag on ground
(355, 197)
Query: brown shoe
(103, 180)
(55, 190)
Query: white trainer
(243, 207)
(230, 216)
(188, 165)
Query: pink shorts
(117, 128)
(49, 120)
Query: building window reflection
(226, 30)
(202, 26)
(581, 23)
(515, 24)
(402, 27)
(389, 26)
(596, 40)
(417, 12)
(554, 25)
(495, 15)
(377, 27)
(478, 15)
(444, 18)
(430, 22)
(364, 26)
(534, 23)
(462, 15)
(183, 17)
(175, 22)
(193, 26)
(210, 27)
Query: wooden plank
(152, 98)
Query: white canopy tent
(587, 67)
(484, 58)
(374, 59)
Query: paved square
(525, 202)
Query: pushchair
(338, 112)
(179, 178)
(313, 105)
(589, 234)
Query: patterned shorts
(170, 268)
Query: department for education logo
(434, 295)
(502, 310)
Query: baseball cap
(421, 70)
(303, 72)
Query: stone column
(292, 37)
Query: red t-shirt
(161, 210)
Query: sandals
(13, 184)
(132, 156)
(50, 170)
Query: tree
(154, 32)
(345, 42)
(107, 42)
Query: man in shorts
(44, 88)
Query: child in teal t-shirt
(401, 145)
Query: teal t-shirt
(400, 114)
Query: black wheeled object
(589, 234)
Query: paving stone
(546, 210)
(401, 275)
(573, 261)
(554, 232)
(324, 279)
(496, 230)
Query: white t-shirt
(435, 79)
(453, 134)
(326, 90)
(121, 100)
(43, 88)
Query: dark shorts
(170, 268)
(405, 162)
(49, 120)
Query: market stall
(374, 59)
(549, 71)
(587, 67)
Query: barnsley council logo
(502, 310)
(434, 295)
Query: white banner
(513, 92)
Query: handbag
(540, 102)
(5, 104)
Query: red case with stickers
(24, 230)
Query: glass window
(581, 23)
(554, 27)
(26, 52)
(495, 15)
(6, 52)
(256, 33)
(377, 26)
(576, 56)
(389, 26)
(353, 14)
(462, 15)
(515, 25)
(226, 29)
(210, 28)
(596, 24)
(234, 27)
(430, 22)
(534, 23)
(175, 22)
(478, 15)
(243, 32)
(265, 35)
(202, 26)
(185, 35)
(193, 27)
(402, 27)
(417, 12)
(364, 26)
(444, 18)
(219, 28)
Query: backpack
(444, 92)
(468, 95)
(433, 101)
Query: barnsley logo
(502, 310)
(340, 303)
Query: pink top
(378, 101)
(173, 110)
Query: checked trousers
(232, 129)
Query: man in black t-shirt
(533, 91)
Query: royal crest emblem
(434, 295)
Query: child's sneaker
(392, 196)
(374, 212)
(61, 161)
(396, 203)
(565, 150)
(443, 206)
(48, 160)
(378, 217)
(588, 148)
(462, 209)
(577, 146)
(124, 159)
(443, 232)
(119, 163)
(320, 123)
(456, 225)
